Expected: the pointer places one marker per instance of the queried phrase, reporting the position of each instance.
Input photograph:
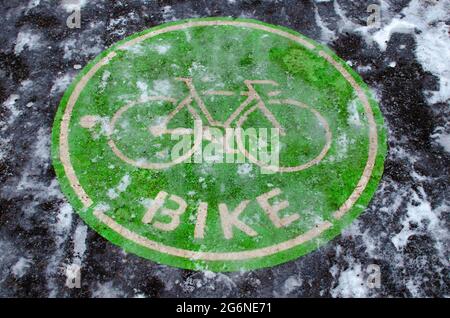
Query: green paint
(218, 58)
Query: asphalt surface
(405, 230)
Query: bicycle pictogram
(252, 103)
(140, 136)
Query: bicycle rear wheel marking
(309, 203)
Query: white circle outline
(215, 256)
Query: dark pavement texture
(404, 230)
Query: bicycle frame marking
(252, 96)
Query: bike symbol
(253, 102)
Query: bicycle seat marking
(218, 144)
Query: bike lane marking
(202, 255)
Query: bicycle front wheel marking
(122, 119)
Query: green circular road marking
(218, 144)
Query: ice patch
(420, 217)
(442, 138)
(21, 267)
(42, 146)
(64, 220)
(353, 118)
(364, 68)
(433, 45)
(107, 290)
(383, 36)
(135, 49)
(121, 187)
(207, 280)
(5, 147)
(146, 203)
(168, 14)
(86, 46)
(118, 27)
(60, 84)
(61, 228)
(433, 52)
(105, 77)
(10, 104)
(326, 35)
(33, 3)
(351, 284)
(244, 169)
(342, 144)
(196, 69)
(71, 5)
(102, 207)
(79, 244)
(28, 39)
(161, 87)
(68, 46)
(202, 182)
(291, 284)
(143, 88)
(162, 49)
